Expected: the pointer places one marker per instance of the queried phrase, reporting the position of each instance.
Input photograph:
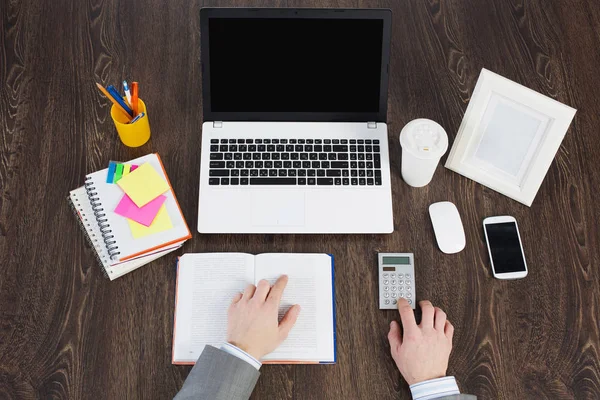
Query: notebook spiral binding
(103, 225)
(87, 237)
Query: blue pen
(127, 92)
(139, 116)
(119, 99)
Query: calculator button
(407, 282)
(401, 288)
(386, 288)
(392, 276)
(393, 295)
(393, 288)
(410, 301)
(386, 295)
(386, 275)
(400, 276)
(394, 302)
(407, 276)
(387, 302)
(401, 282)
(385, 282)
(408, 295)
(393, 281)
(408, 288)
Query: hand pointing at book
(253, 324)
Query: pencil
(117, 105)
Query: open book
(207, 282)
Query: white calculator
(396, 279)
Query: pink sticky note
(144, 215)
(133, 167)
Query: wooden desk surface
(67, 332)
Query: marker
(127, 93)
(139, 116)
(134, 97)
(117, 105)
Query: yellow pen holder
(132, 135)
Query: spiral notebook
(109, 234)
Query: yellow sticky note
(143, 185)
(126, 168)
(162, 222)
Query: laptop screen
(289, 67)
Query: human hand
(253, 323)
(422, 352)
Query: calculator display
(396, 260)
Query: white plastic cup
(423, 143)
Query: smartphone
(505, 248)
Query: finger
(249, 292)
(236, 298)
(277, 289)
(428, 312)
(440, 319)
(449, 330)
(262, 290)
(288, 321)
(407, 316)
(394, 337)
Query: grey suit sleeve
(219, 375)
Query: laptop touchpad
(277, 208)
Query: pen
(127, 93)
(139, 116)
(134, 97)
(117, 105)
(115, 93)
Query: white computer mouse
(447, 226)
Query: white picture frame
(509, 137)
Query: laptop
(294, 138)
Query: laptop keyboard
(303, 162)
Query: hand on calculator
(421, 352)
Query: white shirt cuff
(434, 388)
(241, 354)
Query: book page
(206, 284)
(310, 285)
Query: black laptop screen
(282, 65)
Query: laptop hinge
(217, 124)
(372, 125)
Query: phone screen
(505, 247)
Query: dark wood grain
(67, 332)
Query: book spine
(105, 230)
(87, 236)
